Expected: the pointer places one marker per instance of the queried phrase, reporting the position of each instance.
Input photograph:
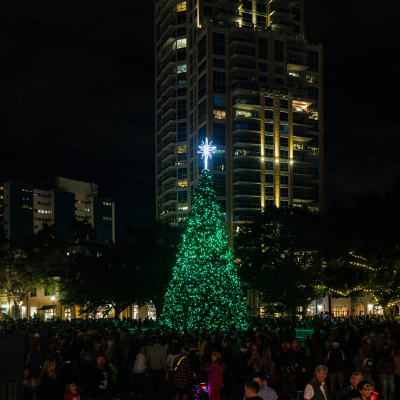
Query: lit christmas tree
(205, 287)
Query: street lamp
(53, 298)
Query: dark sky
(77, 95)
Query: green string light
(205, 287)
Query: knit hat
(217, 354)
(191, 346)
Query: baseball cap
(217, 354)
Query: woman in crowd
(350, 391)
(365, 391)
(51, 386)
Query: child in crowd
(32, 390)
(72, 392)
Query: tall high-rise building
(241, 73)
(25, 208)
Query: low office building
(25, 208)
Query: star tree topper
(206, 151)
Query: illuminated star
(206, 150)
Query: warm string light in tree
(205, 287)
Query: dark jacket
(335, 360)
(385, 366)
(241, 371)
(228, 357)
(52, 388)
(99, 382)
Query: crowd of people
(338, 358)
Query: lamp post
(53, 298)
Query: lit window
(181, 69)
(181, 6)
(179, 44)
(219, 114)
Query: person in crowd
(27, 376)
(139, 372)
(385, 368)
(241, 372)
(359, 358)
(32, 390)
(350, 391)
(183, 374)
(365, 391)
(215, 371)
(290, 359)
(265, 392)
(335, 362)
(366, 370)
(52, 387)
(123, 341)
(71, 392)
(172, 355)
(251, 390)
(100, 383)
(316, 389)
(396, 360)
(156, 366)
(227, 357)
(203, 348)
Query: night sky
(77, 96)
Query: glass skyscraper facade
(242, 74)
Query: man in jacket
(100, 384)
(316, 389)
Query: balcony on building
(240, 128)
(243, 41)
(243, 154)
(228, 4)
(169, 178)
(167, 52)
(247, 205)
(239, 53)
(170, 188)
(243, 218)
(246, 141)
(170, 64)
(246, 180)
(168, 145)
(246, 192)
(243, 103)
(246, 166)
(247, 90)
(229, 15)
(168, 77)
(169, 157)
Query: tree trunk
(386, 311)
(158, 305)
(16, 309)
(118, 308)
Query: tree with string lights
(205, 288)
